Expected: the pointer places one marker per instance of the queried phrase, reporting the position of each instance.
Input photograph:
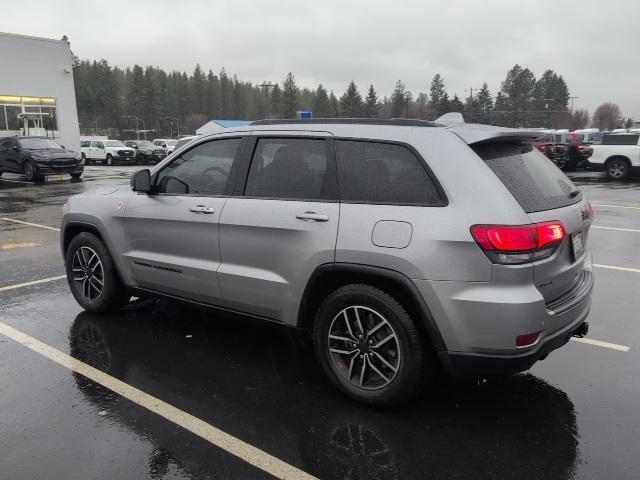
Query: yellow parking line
(615, 206)
(622, 269)
(634, 230)
(47, 227)
(34, 282)
(600, 343)
(243, 450)
(13, 246)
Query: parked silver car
(404, 247)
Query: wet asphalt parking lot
(191, 393)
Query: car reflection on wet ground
(573, 415)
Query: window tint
(620, 139)
(535, 182)
(84, 144)
(203, 170)
(293, 168)
(383, 173)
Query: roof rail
(400, 122)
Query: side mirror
(63, 147)
(164, 145)
(141, 181)
(16, 147)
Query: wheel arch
(73, 228)
(329, 277)
(616, 157)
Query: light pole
(571, 113)
(137, 129)
(266, 86)
(177, 125)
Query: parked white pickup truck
(618, 155)
(107, 152)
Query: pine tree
(399, 100)
(517, 90)
(371, 104)
(321, 106)
(456, 105)
(437, 101)
(212, 97)
(289, 97)
(351, 102)
(197, 89)
(225, 95)
(333, 105)
(485, 105)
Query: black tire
(617, 168)
(84, 157)
(113, 294)
(414, 365)
(140, 160)
(29, 171)
(109, 160)
(76, 175)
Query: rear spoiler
(472, 133)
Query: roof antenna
(451, 118)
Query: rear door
(172, 242)
(545, 194)
(281, 226)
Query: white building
(37, 83)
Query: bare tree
(607, 116)
(580, 118)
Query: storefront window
(13, 122)
(3, 119)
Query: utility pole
(266, 86)
(571, 113)
(473, 113)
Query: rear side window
(376, 172)
(290, 168)
(535, 182)
(622, 139)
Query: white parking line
(615, 206)
(600, 343)
(16, 181)
(30, 224)
(243, 450)
(634, 230)
(622, 269)
(34, 282)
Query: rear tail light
(515, 244)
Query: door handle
(201, 209)
(318, 217)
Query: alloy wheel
(617, 169)
(88, 273)
(364, 347)
(28, 171)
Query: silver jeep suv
(405, 248)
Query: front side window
(375, 172)
(84, 144)
(203, 170)
(290, 168)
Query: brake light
(513, 244)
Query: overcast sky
(593, 44)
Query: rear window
(535, 182)
(375, 172)
(620, 139)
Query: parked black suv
(36, 157)
(146, 152)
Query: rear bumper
(479, 322)
(466, 365)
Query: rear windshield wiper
(573, 194)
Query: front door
(10, 158)
(281, 227)
(172, 243)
